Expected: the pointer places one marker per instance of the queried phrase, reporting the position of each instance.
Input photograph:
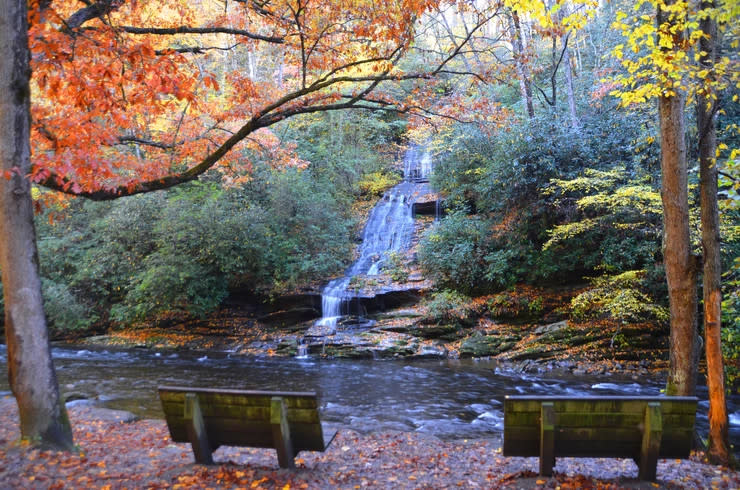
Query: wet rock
(73, 396)
(553, 327)
(290, 317)
(486, 345)
(104, 414)
(431, 352)
(287, 347)
(444, 332)
(405, 313)
(395, 297)
(536, 353)
(309, 299)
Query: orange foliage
(137, 96)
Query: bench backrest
(598, 426)
(242, 418)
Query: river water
(447, 398)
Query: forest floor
(113, 454)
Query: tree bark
(719, 443)
(574, 122)
(521, 68)
(680, 264)
(31, 373)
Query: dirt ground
(114, 453)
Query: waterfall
(389, 228)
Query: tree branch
(194, 50)
(125, 140)
(169, 31)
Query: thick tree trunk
(521, 67)
(31, 373)
(679, 262)
(719, 442)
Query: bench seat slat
(590, 436)
(247, 412)
(245, 398)
(234, 432)
(598, 419)
(601, 404)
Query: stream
(449, 399)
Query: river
(447, 398)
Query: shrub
(449, 308)
(376, 183)
(620, 298)
(63, 310)
(394, 266)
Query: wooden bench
(209, 418)
(642, 428)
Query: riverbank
(407, 333)
(115, 453)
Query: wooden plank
(260, 400)
(196, 430)
(233, 432)
(328, 435)
(652, 433)
(617, 403)
(222, 391)
(554, 398)
(606, 419)
(525, 442)
(281, 433)
(295, 415)
(547, 439)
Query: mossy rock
(443, 332)
(536, 353)
(486, 345)
(287, 347)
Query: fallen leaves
(140, 455)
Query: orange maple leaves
(144, 95)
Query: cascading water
(389, 228)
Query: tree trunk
(31, 373)
(574, 122)
(719, 442)
(680, 264)
(521, 68)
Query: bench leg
(651, 435)
(281, 433)
(196, 430)
(547, 438)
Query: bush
(453, 253)
(394, 266)
(64, 312)
(620, 298)
(449, 308)
(376, 183)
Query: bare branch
(126, 140)
(194, 50)
(169, 31)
